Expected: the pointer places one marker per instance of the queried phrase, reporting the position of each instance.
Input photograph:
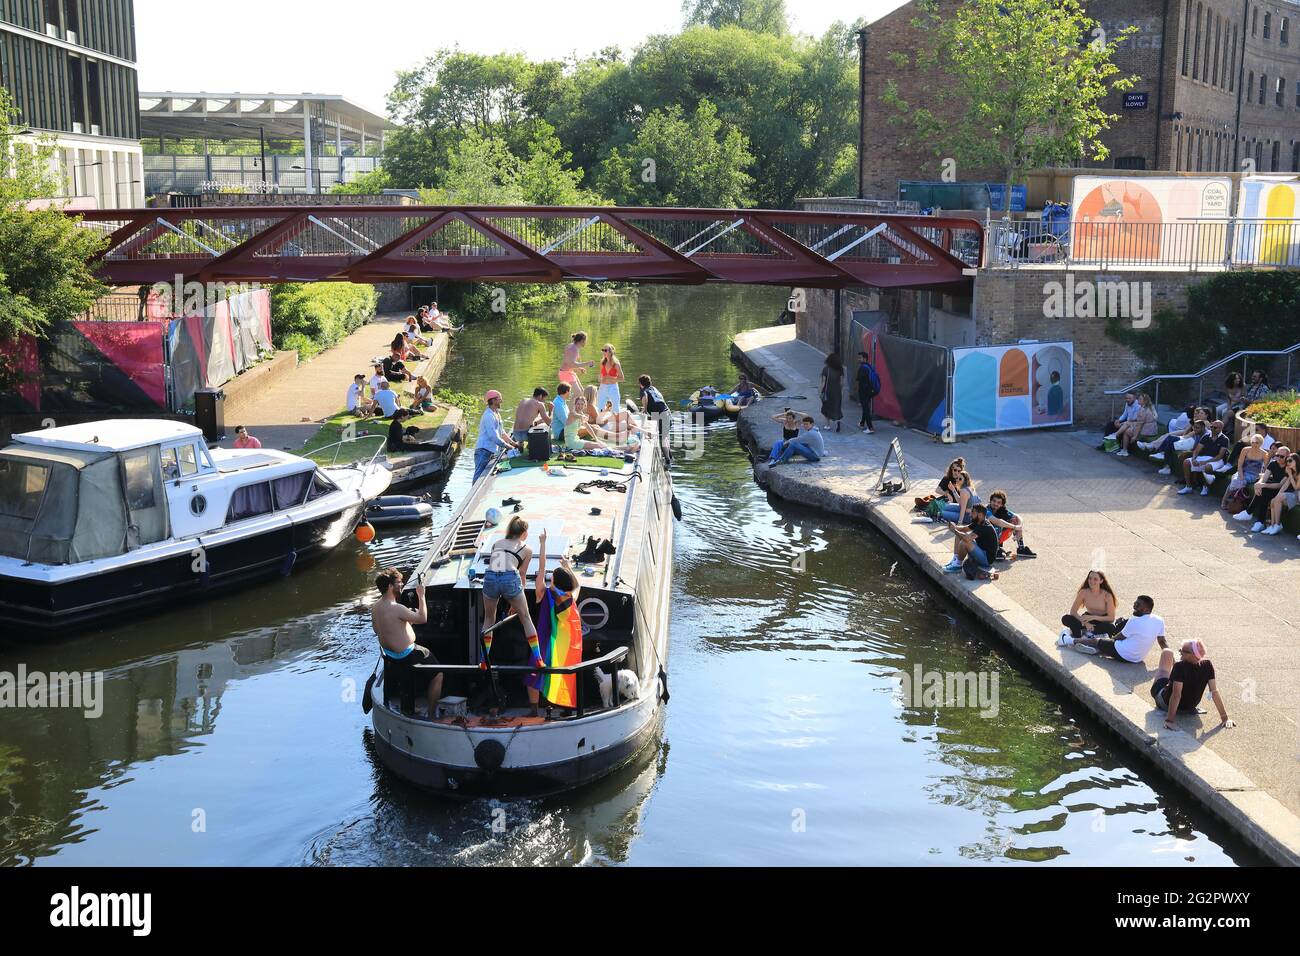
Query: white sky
(354, 49)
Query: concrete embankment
(1082, 509)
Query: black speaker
(210, 413)
(539, 444)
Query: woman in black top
(1266, 488)
(1180, 684)
(833, 390)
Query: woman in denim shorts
(508, 563)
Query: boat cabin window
(321, 485)
(22, 486)
(180, 462)
(249, 502)
(291, 490)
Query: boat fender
(663, 685)
(290, 559)
(677, 508)
(489, 755)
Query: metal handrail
(1158, 377)
(347, 441)
(617, 654)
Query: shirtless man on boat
(392, 622)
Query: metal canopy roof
(205, 115)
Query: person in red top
(245, 440)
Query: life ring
(594, 613)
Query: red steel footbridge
(377, 244)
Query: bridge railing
(1188, 245)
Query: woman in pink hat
(491, 435)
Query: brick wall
(1009, 305)
(1190, 120)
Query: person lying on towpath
(1133, 640)
(1180, 684)
(392, 622)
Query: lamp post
(261, 135)
(82, 166)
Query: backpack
(873, 380)
(934, 509)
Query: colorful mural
(1149, 219)
(999, 388)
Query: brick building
(1219, 81)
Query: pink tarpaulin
(22, 356)
(134, 347)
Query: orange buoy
(365, 532)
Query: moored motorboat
(618, 687)
(107, 517)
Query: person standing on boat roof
(653, 404)
(571, 361)
(392, 622)
(508, 562)
(611, 373)
(491, 437)
(530, 412)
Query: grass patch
(370, 435)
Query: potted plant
(1280, 411)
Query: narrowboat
(613, 519)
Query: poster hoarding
(1268, 231)
(1004, 387)
(1149, 220)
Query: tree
(454, 94)
(45, 274)
(680, 161)
(367, 184)
(758, 16)
(794, 99)
(1024, 84)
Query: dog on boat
(629, 688)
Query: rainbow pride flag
(559, 644)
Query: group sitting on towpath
(1262, 475)
(1091, 627)
(980, 531)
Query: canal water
(231, 732)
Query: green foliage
(1225, 312)
(1280, 408)
(680, 161)
(313, 317)
(1024, 88)
(793, 100)
(367, 184)
(44, 255)
(760, 16)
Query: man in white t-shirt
(376, 379)
(1134, 638)
(357, 403)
